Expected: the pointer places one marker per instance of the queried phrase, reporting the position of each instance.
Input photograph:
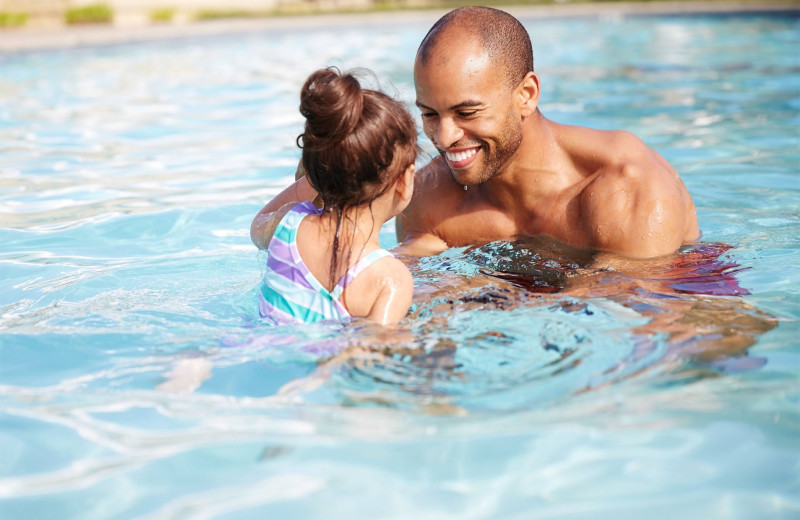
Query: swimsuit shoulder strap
(357, 269)
(286, 229)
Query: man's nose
(447, 133)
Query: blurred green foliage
(8, 19)
(162, 15)
(95, 13)
(215, 14)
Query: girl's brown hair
(356, 142)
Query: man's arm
(411, 241)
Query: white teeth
(460, 156)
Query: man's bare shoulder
(617, 162)
(635, 203)
(626, 162)
(604, 147)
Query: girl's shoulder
(388, 269)
(383, 264)
(300, 210)
(382, 291)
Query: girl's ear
(405, 184)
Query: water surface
(136, 380)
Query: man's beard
(493, 163)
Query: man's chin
(464, 176)
(467, 183)
(468, 177)
(460, 179)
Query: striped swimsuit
(290, 292)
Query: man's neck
(539, 169)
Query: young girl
(359, 148)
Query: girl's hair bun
(356, 141)
(332, 103)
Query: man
(507, 170)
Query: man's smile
(461, 158)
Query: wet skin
(605, 194)
(525, 174)
(602, 193)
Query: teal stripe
(290, 297)
(300, 312)
(287, 228)
(318, 302)
(285, 232)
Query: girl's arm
(267, 219)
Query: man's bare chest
(485, 224)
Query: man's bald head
(503, 38)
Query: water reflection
(530, 322)
(129, 178)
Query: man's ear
(528, 94)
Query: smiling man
(505, 169)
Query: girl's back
(298, 284)
(379, 277)
(359, 148)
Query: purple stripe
(279, 247)
(307, 208)
(288, 271)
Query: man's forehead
(453, 47)
(464, 70)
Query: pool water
(137, 381)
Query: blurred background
(21, 14)
(54, 13)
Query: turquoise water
(136, 380)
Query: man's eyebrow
(469, 103)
